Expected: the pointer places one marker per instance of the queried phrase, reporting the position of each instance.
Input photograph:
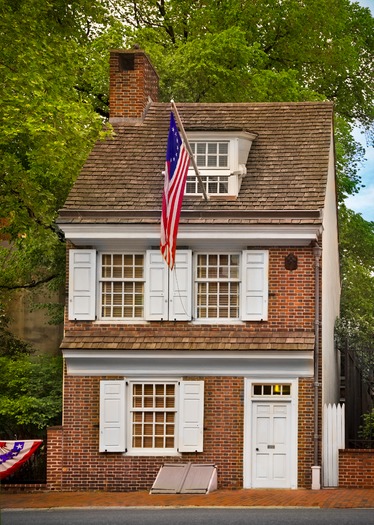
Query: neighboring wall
(31, 325)
(330, 291)
(356, 468)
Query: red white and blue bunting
(14, 453)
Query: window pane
(201, 148)
(153, 415)
(212, 161)
(223, 148)
(212, 148)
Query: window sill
(151, 453)
(218, 321)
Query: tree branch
(33, 284)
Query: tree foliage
(262, 50)
(30, 395)
(355, 328)
(30, 387)
(50, 119)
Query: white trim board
(291, 364)
(102, 234)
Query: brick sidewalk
(327, 498)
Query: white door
(271, 439)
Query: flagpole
(188, 147)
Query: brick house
(215, 361)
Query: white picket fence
(333, 440)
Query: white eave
(149, 234)
(287, 364)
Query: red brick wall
(84, 468)
(54, 457)
(130, 88)
(356, 468)
(291, 299)
(306, 432)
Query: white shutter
(180, 292)
(191, 416)
(82, 285)
(255, 285)
(112, 436)
(156, 287)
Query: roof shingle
(286, 169)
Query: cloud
(363, 202)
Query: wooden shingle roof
(185, 336)
(287, 166)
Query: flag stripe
(176, 169)
(14, 453)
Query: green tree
(51, 114)
(262, 50)
(355, 328)
(30, 387)
(30, 395)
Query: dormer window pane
(211, 154)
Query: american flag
(14, 453)
(176, 168)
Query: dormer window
(211, 154)
(221, 158)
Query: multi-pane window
(122, 286)
(213, 184)
(212, 156)
(217, 286)
(272, 390)
(153, 415)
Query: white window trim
(209, 320)
(136, 451)
(101, 280)
(239, 145)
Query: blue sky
(363, 202)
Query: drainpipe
(316, 469)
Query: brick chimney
(133, 81)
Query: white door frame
(248, 452)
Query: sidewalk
(326, 498)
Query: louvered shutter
(255, 285)
(82, 285)
(112, 437)
(156, 287)
(180, 292)
(191, 416)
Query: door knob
(257, 449)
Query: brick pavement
(326, 498)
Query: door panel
(271, 427)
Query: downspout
(316, 469)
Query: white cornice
(81, 234)
(150, 363)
